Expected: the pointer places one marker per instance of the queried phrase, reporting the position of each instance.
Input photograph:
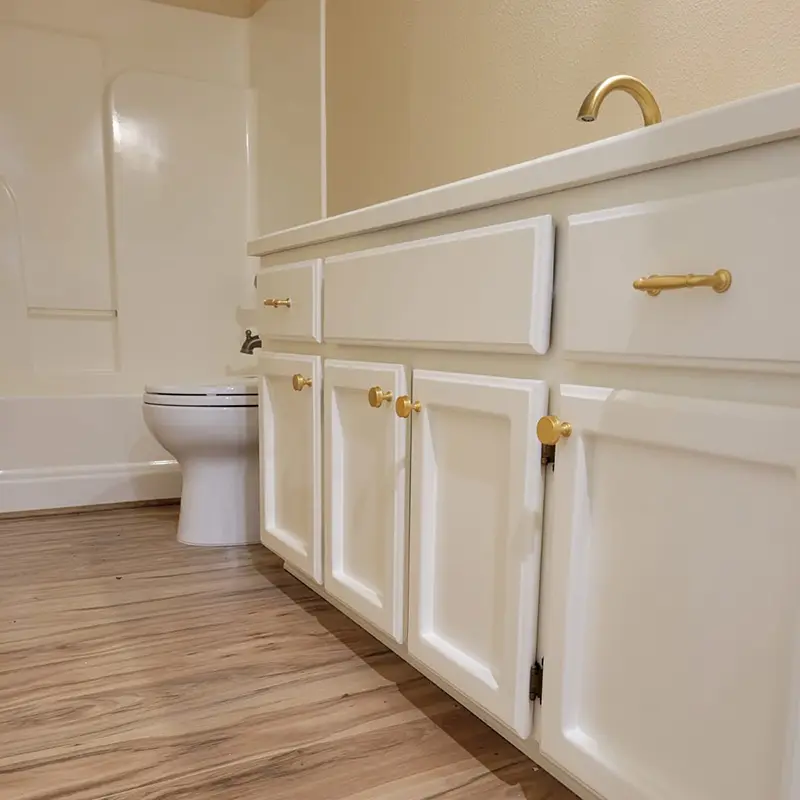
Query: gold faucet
(590, 107)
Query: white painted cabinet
(670, 609)
(672, 663)
(475, 536)
(290, 429)
(366, 452)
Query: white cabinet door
(290, 429)
(475, 536)
(672, 643)
(366, 497)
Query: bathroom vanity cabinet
(622, 602)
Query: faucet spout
(590, 107)
(251, 342)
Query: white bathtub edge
(97, 484)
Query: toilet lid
(232, 387)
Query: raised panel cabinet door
(290, 431)
(475, 536)
(673, 585)
(366, 446)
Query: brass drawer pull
(377, 397)
(299, 382)
(550, 430)
(404, 406)
(720, 282)
(274, 302)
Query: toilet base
(219, 502)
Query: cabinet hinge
(548, 455)
(535, 689)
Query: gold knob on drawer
(550, 429)
(299, 382)
(274, 302)
(377, 396)
(403, 407)
(720, 282)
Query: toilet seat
(228, 394)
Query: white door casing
(475, 536)
(366, 493)
(290, 431)
(672, 652)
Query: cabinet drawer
(748, 231)
(289, 301)
(483, 289)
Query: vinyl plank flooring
(135, 668)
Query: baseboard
(94, 485)
(72, 510)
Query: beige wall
(228, 8)
(286, 47)
(422, 92)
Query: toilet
(212, 431)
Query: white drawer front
(289, 301)
(749, 231)
(483, 289)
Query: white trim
(96, 484)
(766, 117)
(323, 110)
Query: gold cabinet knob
(274, 302)
(377, 396)
(299, 382)
(550, 429)
(403, 407)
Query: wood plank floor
(134, 668)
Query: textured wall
(422, 92)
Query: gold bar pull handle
(720, 282)
(275, 302)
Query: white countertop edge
(743, 123)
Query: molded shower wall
(123, 217)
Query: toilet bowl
(212, 431)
